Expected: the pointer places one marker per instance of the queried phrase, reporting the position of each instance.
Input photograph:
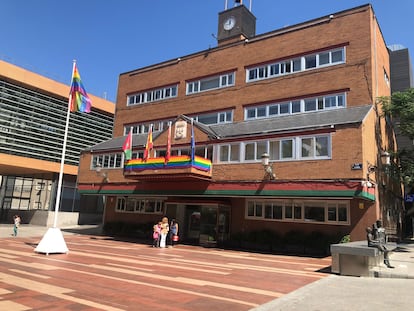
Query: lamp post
(267, 167)
(99, 172)
(385, 158)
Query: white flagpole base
(52, 242)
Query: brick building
(302, 97)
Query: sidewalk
(391, 290)
(27, 230)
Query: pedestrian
(173, 233)
(17, 220)
(156, 235)
(164, 232)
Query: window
(310, 104)
(249, 151)
(229, 153)
(310, 61)
(313, 147)
(293, 148)
(298, 211)
(307, 148)
(143, 128)
(386, 78)
(273, 210)
(306, 62)
(334, 101)
(287, 149)
(254, 209)
(113, 160)
(210, 83)
(337, 212)
(139, 205)
(215, 117)
(152, 95)
(254, 150)
(314, 211)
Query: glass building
(33, 113)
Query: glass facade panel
(33, 124)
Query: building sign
(356, 166)
(409, 198)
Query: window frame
(290, 66)
(298, 210)
(223, 80)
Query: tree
(400, 108)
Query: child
(156, 235)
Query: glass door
(208, 226)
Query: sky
(111, 37)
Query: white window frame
(152, 95)
(223, 80)
(255, 209)
(290, 66)
(139, 205)
(319, 102)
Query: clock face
(229, 23)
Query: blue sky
(109, 37)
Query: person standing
(164, 232)
(173, 232)
(17, 220)
(156, 235)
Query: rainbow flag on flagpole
(78, 98)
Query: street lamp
(99, 172)
(267, 167)
(385, 158)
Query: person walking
(17, 220)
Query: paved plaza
(103, 273)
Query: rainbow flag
(79, 99)
(174, 162)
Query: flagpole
(53, 241)
(62, 159)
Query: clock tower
(236, 24)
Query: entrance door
(192, 225)
(205, 224)
(208, 225)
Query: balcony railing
(176, 166)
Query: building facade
(32, 126)
(274, 132)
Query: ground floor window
(140, 205)
(299, 211)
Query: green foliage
(400, 108)
(345, 239)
